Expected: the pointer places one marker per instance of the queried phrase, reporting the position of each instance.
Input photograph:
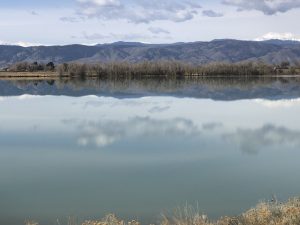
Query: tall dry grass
(265, 213)
(272, 213)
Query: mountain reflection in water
(218, 88)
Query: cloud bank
(140, 11)
(268, 7)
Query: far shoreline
(55, 75)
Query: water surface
(139, 150)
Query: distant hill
(224, 50)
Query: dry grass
(273, 214)
(185, 216)
(263, 214)
(110, 219)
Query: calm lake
(137, 148)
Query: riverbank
(265, 213)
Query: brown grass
(263, 214)
(110, 219)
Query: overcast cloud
(268, 7)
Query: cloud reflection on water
(158, 109)
(103, 133)
(252, 141)
(251, 125)
(211, 126)
(278, 103)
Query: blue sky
(59, 22)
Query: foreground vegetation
(272, 213)
(160, 68)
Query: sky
(61, 22)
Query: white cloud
(211, 13)
(139, 11)
(278, 36)
(158, 30)
(19, 43)
(268, 7)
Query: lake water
(139, 148)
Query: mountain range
(222, 50)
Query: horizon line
(20, 44)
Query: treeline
(31, 67)
(175, 69)
(160, 68)
(124, 69)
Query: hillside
(273, 51)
